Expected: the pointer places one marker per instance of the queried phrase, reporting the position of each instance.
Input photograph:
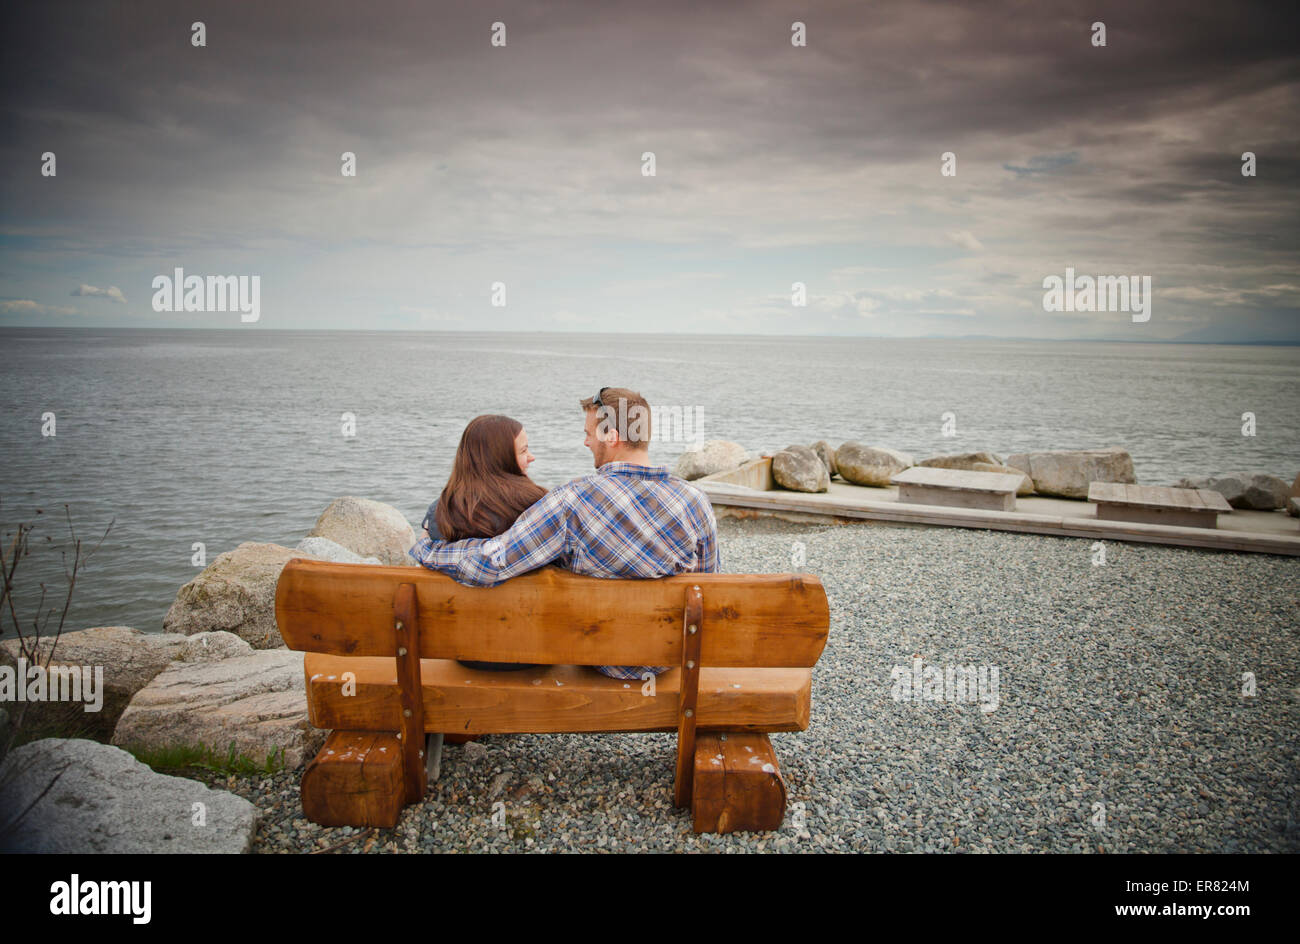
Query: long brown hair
(487, 490)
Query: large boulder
(1295, 487)
(325, 549)
(77, 796)
(367, 528)
(127, 660)
(235, 594)
(1292, 509)
(870, 465)
(255, 702)
(827, 455)
(715, 455)
(212, 647)
(964, 461)
(799, 469)
(1067, 473)
(1241, 490)
(1266, 493)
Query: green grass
(40, 729)
(204, 757)
(176, 759)
(53, 728)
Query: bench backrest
(552, 616)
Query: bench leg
(355, 780)
(433, 756)
(954, 498)
(738, 784)
(1177, 517)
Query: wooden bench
(1182, 507)
(957, 488)
(742, 647)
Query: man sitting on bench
(629, 519)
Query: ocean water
(231, 436)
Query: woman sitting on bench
(488, 489)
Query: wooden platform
(1181, 507)
(1251, 531)
(958, 488)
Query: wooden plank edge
(1250, 541)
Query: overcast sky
(775, 164)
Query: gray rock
(827, 455)
(1241, 490)
(799, 469)
(1293, 507)
(1067, 473)
(714, 456)
(472, 752)
(77, 796)
(960, 460)
(367, 528)
(870, 465)
(236, 594)
(256, 702)
(210, 647)
(325, 549)
(1266, 493)
(129, 659)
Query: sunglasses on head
(596, 401)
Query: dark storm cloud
(166, 148)
(888, 80)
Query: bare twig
(30, 646)
(9, 566)
(9, 826)
(340, 845)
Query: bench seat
(470, 701)
(1158, 504)
(958, 488)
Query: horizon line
(689, 334)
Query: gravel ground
(1120, 726)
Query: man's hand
(535, 539)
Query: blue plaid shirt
(624, 520)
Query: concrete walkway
(1269, 532)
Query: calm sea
(231, 436)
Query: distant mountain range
(1212, 335)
